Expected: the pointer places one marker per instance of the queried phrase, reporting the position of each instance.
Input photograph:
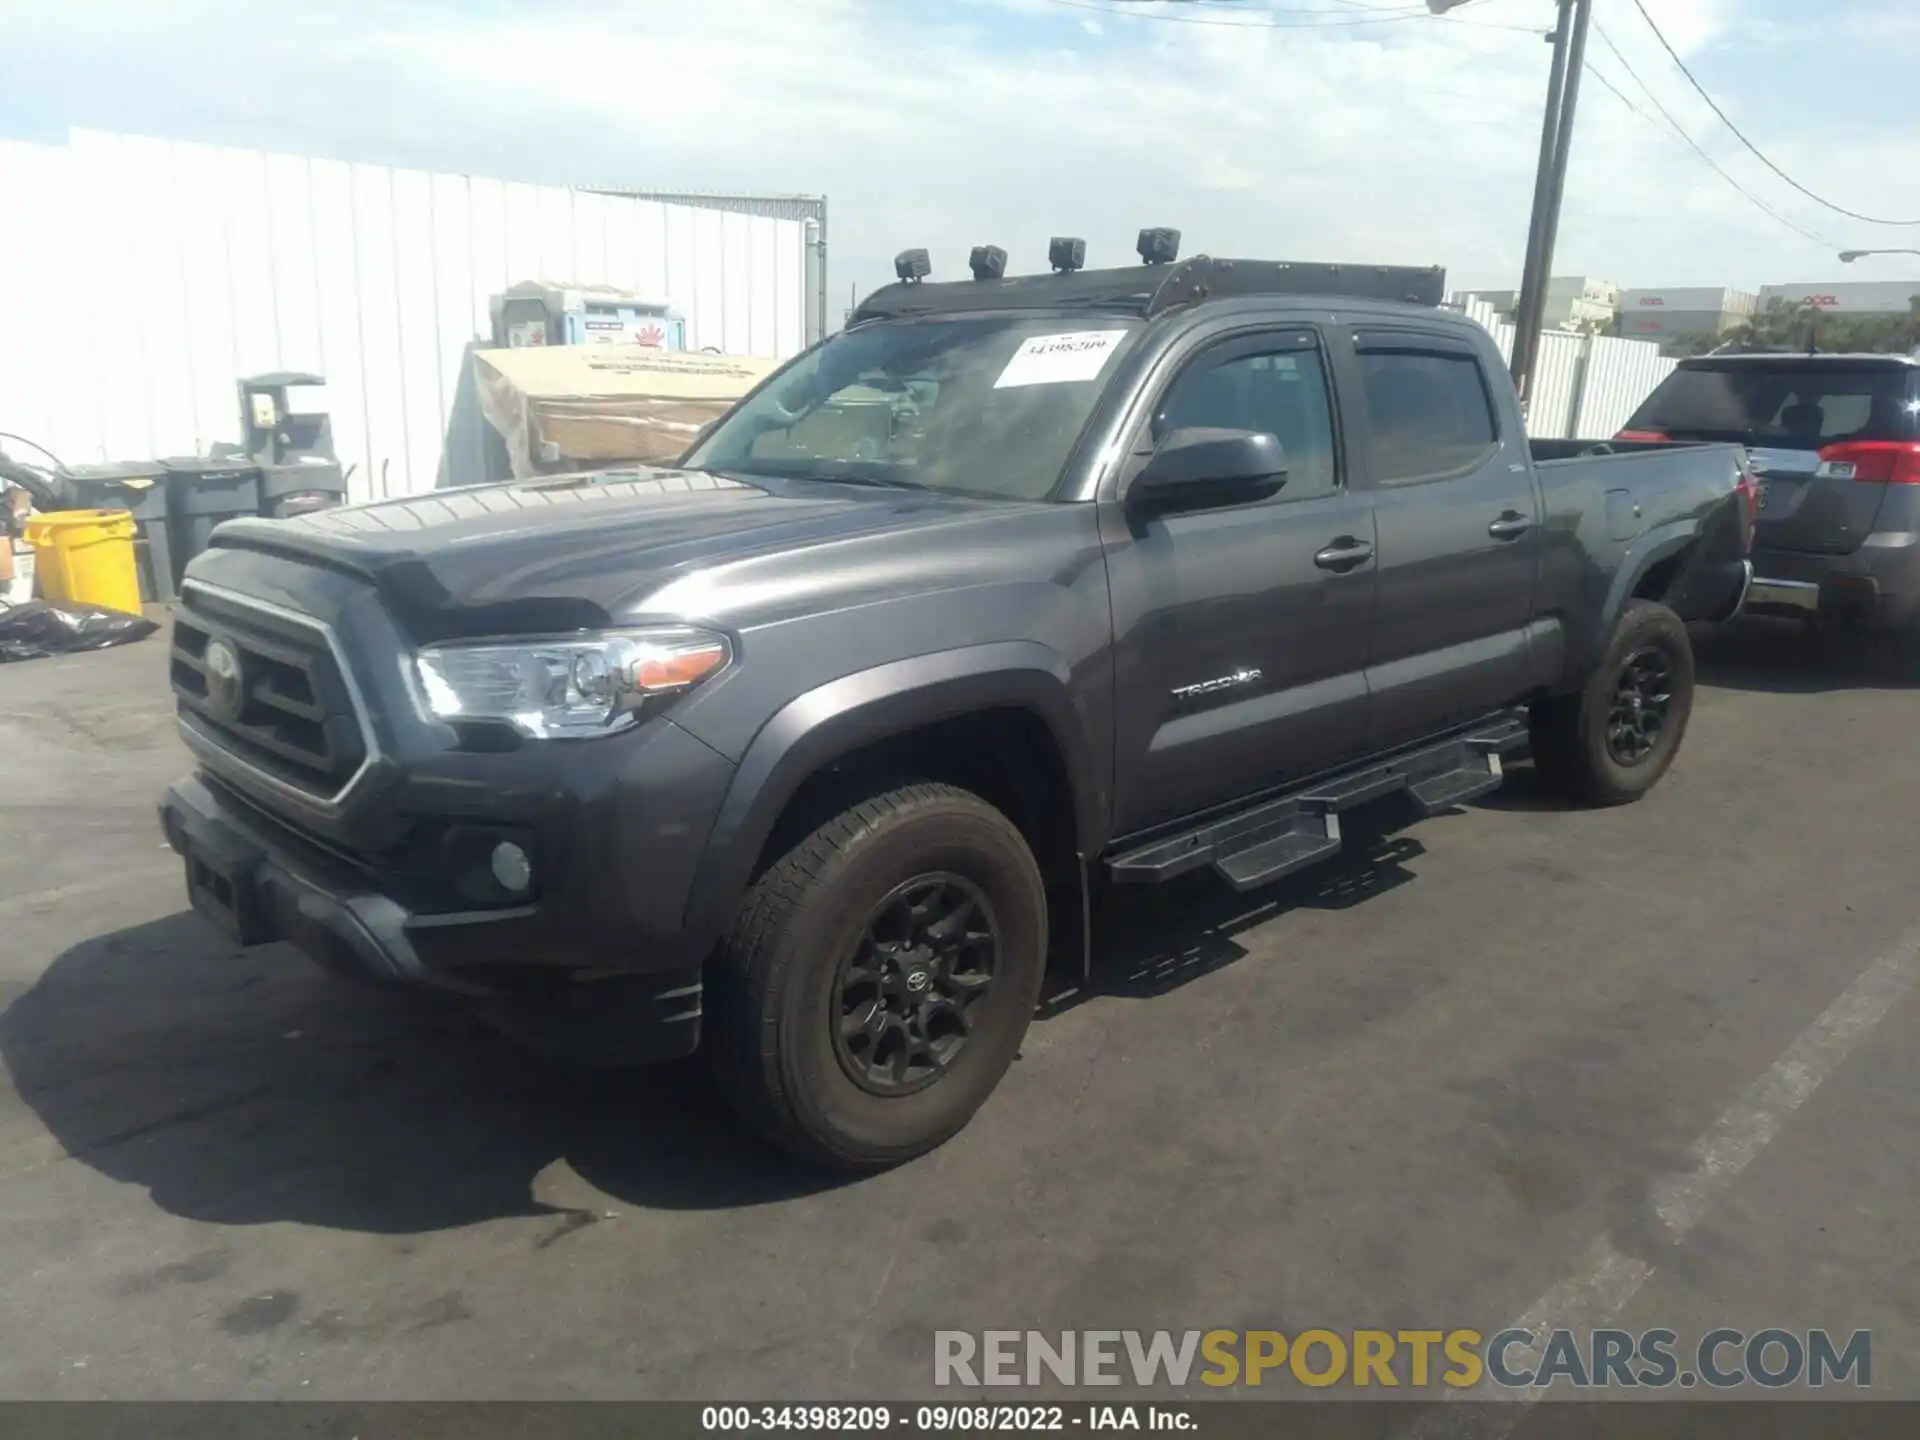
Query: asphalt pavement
(1655, 1066)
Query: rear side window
(1791, 407)
(1430, 411)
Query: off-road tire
(1570, 747)
(773, 992)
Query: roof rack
(1148, 290)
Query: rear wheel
(879, 978)
(1610, 743)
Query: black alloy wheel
(908, 989)
(879, 977)
(1642, 697)
(1610, 742)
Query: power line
(1337, 20)
(1679, 130)
(1253, 7)
(1741, 136)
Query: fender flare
(843, 715)
(1588, 634)
(1661, 543)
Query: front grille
(290, 715)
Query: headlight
(570, 686)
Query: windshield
(1789, 406)
(980, 405)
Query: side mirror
(1198, 469)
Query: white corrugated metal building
(1846, 297)
(1583, 386)
(141, 278)
(1666, 314)
(1573, 302)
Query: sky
(1345, 130)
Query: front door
(1241, 633)
(1458, 530)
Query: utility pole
(1550, 182)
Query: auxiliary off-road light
(1158, 246)
(988, 262)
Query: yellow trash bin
(87, 556)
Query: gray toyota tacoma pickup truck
(807, 752)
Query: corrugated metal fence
(1584, 386)
(140, 279)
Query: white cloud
(954, 122)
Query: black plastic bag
(40, 628)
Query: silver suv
(1835, 446)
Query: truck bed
(1611, 489)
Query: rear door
(1825, 435)
(1457, 522)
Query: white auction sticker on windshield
(1059, 359)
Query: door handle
(1344, 554)
(1510, 526)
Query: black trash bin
(203, 490)
(289, 490)
(140, 488)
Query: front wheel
(1610, 743)
(879, 978)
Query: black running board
(1276, 837)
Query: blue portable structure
(543, 312)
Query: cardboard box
(604, 404)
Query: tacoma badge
(1210, 687)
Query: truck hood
(578, 551)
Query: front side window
(979, 405)
(1282, 392)
(1430, 412)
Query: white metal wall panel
(684, 293)
(290, 248)
(459, 305)
(708, 318)
(152, 275)
(1584, 386)
(340, 354)
(37, 397)
(1552, 392)
(1620, 374)
(791, 299)
(384, 369)
(736, 283)
(762, 285)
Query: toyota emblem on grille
(226, 686)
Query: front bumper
(523, 968)
(1877, 585)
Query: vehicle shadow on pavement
(1786, 657)
(1525, 789)
(1149, 940)
(251, 1088)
